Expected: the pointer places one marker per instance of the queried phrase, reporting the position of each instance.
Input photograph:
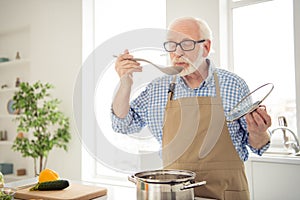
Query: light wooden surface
(74, 191)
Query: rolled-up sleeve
(126, 125)
(258, 151)
(136, 118)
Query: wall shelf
(13, 177)
(15, 63)
(7, 116)
(13, 41)
(8, 90)
(5, 142)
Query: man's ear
(206, 46)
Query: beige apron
(196, 138)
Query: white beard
(193, 66)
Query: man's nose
(179, 52)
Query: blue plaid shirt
(148, 108)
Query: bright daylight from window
(264, 52)
(131, 19)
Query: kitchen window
(263, 51)
(104, 20)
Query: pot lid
(166, 176)
(246, 105)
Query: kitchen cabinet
(273, 177)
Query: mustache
(181, 59)
(184, 60)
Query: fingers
(261, 111)
(127, 67)
(127, 64)
(259, 120)
(125, 55)
(124, 64)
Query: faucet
(294, 144)
(282, 122)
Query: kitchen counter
(276, 158)
(114, 192)
(260, 170)
(278, 170)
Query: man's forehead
(175, 35)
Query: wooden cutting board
(74, 191)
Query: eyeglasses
(185, 45)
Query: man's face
(182, 31)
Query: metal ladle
(171, 70)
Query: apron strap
(215, 129)
(218, 93)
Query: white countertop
(113, 192)
(275, 158)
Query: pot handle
(193, 185)
(132, 179)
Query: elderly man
(191, 114)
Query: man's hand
(125, 67)
(258, 123)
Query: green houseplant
(43, 125)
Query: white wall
(55, 54)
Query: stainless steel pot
(165, 184)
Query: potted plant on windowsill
(41, 126)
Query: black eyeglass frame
(179, 44)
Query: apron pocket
(237, 195)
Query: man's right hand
(125, 67)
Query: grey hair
(204, 29)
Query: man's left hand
(258, 122)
